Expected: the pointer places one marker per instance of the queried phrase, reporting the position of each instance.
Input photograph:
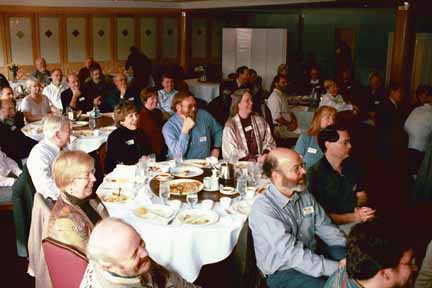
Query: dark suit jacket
(84, 102)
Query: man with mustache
(118, 258)
(285, 221)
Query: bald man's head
(276, 157)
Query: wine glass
(192, 199)
(164, 191)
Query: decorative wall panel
(125, 36)
(20, 32)
(148, 36)
(199, 38)
(216, 38)
(170, 37)
(101, 33)
(76, 39)
(49, 39)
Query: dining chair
(66, 265)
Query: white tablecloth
(204, 91)
(304, 116)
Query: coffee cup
(225, 202)
(250, 192)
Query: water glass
(164, 191)
(151, 158)
(178, 157)
(192, 199)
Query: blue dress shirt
(165, 100)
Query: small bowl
(227, 190)
(163, 176)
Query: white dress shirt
(336, 102)
(419, 127)
(53, 92)
(7, 167)
(278, 106)
(39, 166)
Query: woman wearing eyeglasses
(78, 209)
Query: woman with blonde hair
(333, 99)
(125, 145)
(77, 210)
(307, 143)
(35, 105)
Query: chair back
(66, 265)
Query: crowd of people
(312, 227)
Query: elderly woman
(307, 144)
(124, 145)
(35, 105)
(246, 135)
(333, 99)
(150, 122)
(77, 210)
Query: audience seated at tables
(378, 255)
(13, 141)
(242, 77)
(124, 144)
(375, 93)
(35, 106)
(7, 93)
(166, 94)
(285, 221)
(191, 133)
(307, 143)
(76, 97)
(9, 172)
(313, 81)
(41, 73)
(118, 258)
(336, 182)
(84, 72)
(220, 106)
(97, 87)
(141, 67)
(57, 131)
(77, 209)
(283, 119)
(424, 278)
(246, 135)
(150, 123)
(122, 92)
(55, 88)
(333, 99)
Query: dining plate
(77, 124)
(83, 133)
(107, 129)
(109, 195)
(200, 163)
(198, 217)
(155, 212)
(185, 186)
(227, 190)
(187, 171)
(241, 207)
(242, 164)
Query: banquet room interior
(185, 116)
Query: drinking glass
(192, 199)
(151, 158)
(164, 191)
(178, 157)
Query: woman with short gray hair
(35, 105)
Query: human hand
(188, 124)
(76, 93)
(97, 101)
(260, 159)
(215, 152)
(342, 263)
(364, 214)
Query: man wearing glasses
(285, 221)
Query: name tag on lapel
(312, 150)
(308, 210)
(131, 99)
(377, 102)
(81, 99)
(203, 139)
(248, 128)
(130, 142)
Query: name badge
(13, 128)
(248, 128)
(312, 150)
(377, 102)
(203, 139)
(131, 99)
(81, 99)
(308, 210)
(130, 142)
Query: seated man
(56, 132)
(166, 95)
(75, 97)
(377, 256)
(285, 221)
(41, 73)
(283, 119)
(242, 77)
(336, 182)
(97, 87)
(84, 72)
(118, 258)
(122, 92)
(7, 93)
(314, 82)
(55, 88)
(13, 142)
(9, 171)
(191, 133)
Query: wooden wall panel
(101, 33)
(21, 39)
(76, 39)
(148, 36)
(125, 36)
(49, 39)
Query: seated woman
(246, 135)
(333, 99)
(35, 105)
(124, 145)
(150, 123)
(77, 210)
(307, 143)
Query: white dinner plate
(200, 163)
(228, 190)
(77, 124)
(114, 195)
(187, 171)
(197, 217)
(155, 213)
(107, 129)
(241, 207)
(185, 186)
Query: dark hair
(277, 79)
(167, 75)
(270, 163)
(373, 246)
(241, 69)
(329, 134)
(94, 67)
(178, 98)
(252, 71)
(394, 87)
(146, 93)
(424, 88)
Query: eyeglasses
(296, 168)
(91, 172)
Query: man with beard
(97, 88)
(118, 258)
(191, 133)
(285, 221)
(378, 255)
